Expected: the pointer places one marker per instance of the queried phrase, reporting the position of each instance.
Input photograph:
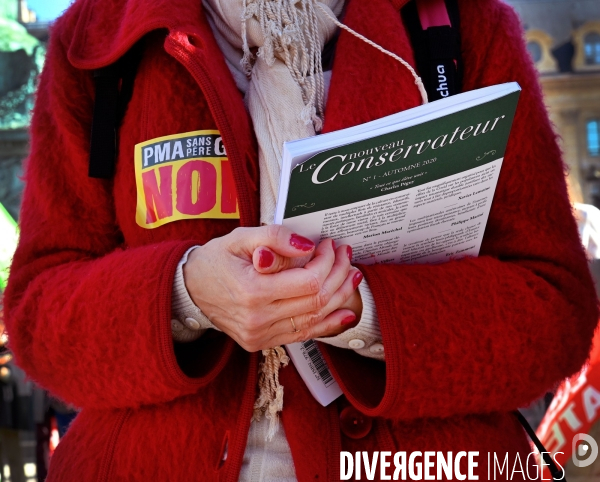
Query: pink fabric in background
(432, 13)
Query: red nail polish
(358, 277)
(301, 243)
(265, 259)
(348, 320)
(349, 253)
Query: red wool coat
(89, 298)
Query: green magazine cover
(415, 187)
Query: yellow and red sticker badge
(183, 176)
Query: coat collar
(105, 29)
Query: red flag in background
(575, 409)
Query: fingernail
(348, 320)
(301, 243)
(349, 249)
(358, 277)
(265, 259)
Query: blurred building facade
(563, 38)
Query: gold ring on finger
(294, 325)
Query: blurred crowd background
(563, 38)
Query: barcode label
(318, 362)
(313, 369)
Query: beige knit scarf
(273, 49)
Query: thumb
(266, 261)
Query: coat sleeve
(87, 317)
(490, 333)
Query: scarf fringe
(270, 397)
(291, 33)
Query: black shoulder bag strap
(437, 48)
(439, 62)
(114, 88)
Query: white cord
(418, 80)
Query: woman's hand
(255, 308)
(266, 262)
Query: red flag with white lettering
(574, 410)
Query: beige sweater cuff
(188, 323)
(365, 338)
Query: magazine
(413, 187)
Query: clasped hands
(250, 282)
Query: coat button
(192, 324)
(355, 424)
(377, 349)
(356, 344)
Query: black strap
(114, 88)
(557, 474)
(437, 51)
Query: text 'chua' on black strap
(114, 88)
(437, 51)
(557, 474)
